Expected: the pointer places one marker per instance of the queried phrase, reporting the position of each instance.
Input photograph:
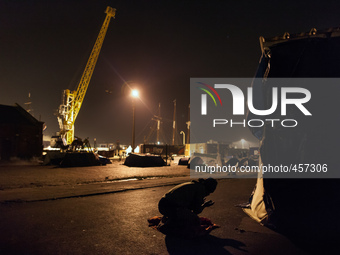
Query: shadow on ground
(203, 245)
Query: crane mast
(72, 100)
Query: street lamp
(134, 94)
(182, 133)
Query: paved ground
(37, 182)
(90, 210)
(22, 175)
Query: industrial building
(20, 134)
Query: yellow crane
(72, 100)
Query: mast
(174, 124)
(158, 119)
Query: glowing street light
(134, 94)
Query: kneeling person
(181, 204)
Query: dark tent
(195, 161)
(183, 161)
(232, 162)
(134, 160)
(306, 210)
(53, 157)
(80, 159)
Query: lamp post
(182, 133)
(134, 95)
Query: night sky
(157, 44)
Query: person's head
(209, 184)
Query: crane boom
(72, 100)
